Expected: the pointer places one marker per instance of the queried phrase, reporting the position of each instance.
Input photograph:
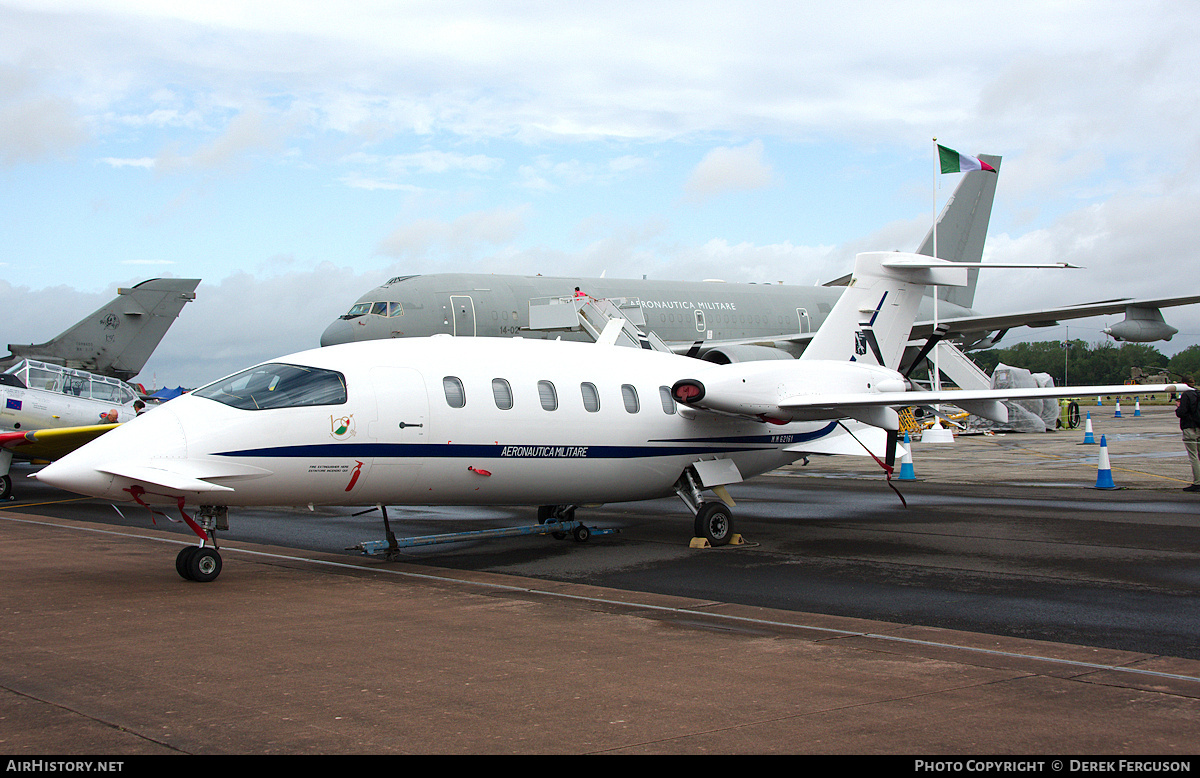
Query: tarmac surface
(300, 651)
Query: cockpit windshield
(277, 386)
(381, 308)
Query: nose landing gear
(198, 563)
(203, 563)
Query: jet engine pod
(1141, 325)
(687, 391)
(726, 355)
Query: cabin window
(502, 392)
(278, 386)
(456, 395)
(668, 402)
(630, 398)
(591, 398)
(548, 395)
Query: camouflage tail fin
(120, 336)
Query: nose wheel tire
(714, 523)
(198, 564)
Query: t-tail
(872, 320)
(119, 337)
(962, 228)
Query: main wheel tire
(714, 523)
(5, 487)
(546, 513)
(204, 565)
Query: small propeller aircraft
(555, 424)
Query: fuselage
(679, 312)
(430, 421)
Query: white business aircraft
(557, 424)
(47, 410)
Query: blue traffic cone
(906, 466)
(1117, 415)
(1103, 469)
(1088, 438)
(1137, 406)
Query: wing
(870, 407)
(779, 393)
(983, 323)
(51, 443)
(1047, 317)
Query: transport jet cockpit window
(277, 386)
(385, 309)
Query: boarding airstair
(616, 321)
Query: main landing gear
(564, 514)
(203, 563)
(714, 520)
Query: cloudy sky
(294, 155)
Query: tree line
(1075, 363)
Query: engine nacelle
(1141, 325)
(727, 355)
(761, 389)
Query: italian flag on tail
(953, 162)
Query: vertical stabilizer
(873, 318)
(119, 337)
(962, 227)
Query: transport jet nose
(341, 331)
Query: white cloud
(142, 162)
(422, 236)
(35, 128)
(728, 169)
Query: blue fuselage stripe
(652, 448)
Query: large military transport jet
(514, 421)
(725, 322)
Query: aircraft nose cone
(75, 475)
(90, 469)
(341, 331)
